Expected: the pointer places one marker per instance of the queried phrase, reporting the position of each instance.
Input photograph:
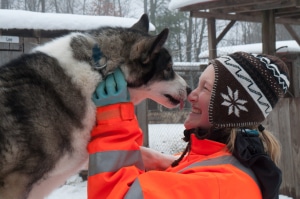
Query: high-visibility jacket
(116, 169)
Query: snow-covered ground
(162, 137)
(75, 188)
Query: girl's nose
(192, 96)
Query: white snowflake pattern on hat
(232, 101)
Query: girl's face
(199, 99)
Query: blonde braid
(271, 144)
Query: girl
(229, 153)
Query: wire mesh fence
(165, 126)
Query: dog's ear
(142, 24)
(147, 48)
(156, 44)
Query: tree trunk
(4, 4)
(120, 9)
(152, 11)
(43, 5)
(83, 7)
(198, 44)
(145, 6)
(189, 40)
(56, 6)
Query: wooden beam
(235, 17)
(241, 17)
(268, 32)
(212, 42)
(37, 33)
(34, 33)
(141, 114)
(279, 4)
(222, 4)
(292, 33)
(287, 11)
(291, 14)
(226, 29)
(283, 20)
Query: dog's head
(146, 64)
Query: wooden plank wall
(11, 51)
(284, 122)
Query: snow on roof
(188, 65)
(176, 4)
(20, 19)
(282, 46)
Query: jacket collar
(205, 146)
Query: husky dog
(46, 111)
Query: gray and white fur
(46, 111)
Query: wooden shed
(21, 30)
(284, 121)
(268, 12)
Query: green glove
(112, 90)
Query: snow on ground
(75, 188)
(165, 138)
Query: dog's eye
(168, 69)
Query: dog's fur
(46, 111)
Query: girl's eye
(207, 88)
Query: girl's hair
(228, 136)
(270, 142)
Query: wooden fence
(9, 51)
(284, 122)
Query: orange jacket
(116, 169)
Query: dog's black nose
(188, 90)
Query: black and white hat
(246, 88)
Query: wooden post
(141, 113)
(293, 33)
(268, 32)
(212, 40)
(224, 32)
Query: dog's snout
(188, 90)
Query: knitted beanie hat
(246, 88)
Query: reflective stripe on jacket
(116, 169)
